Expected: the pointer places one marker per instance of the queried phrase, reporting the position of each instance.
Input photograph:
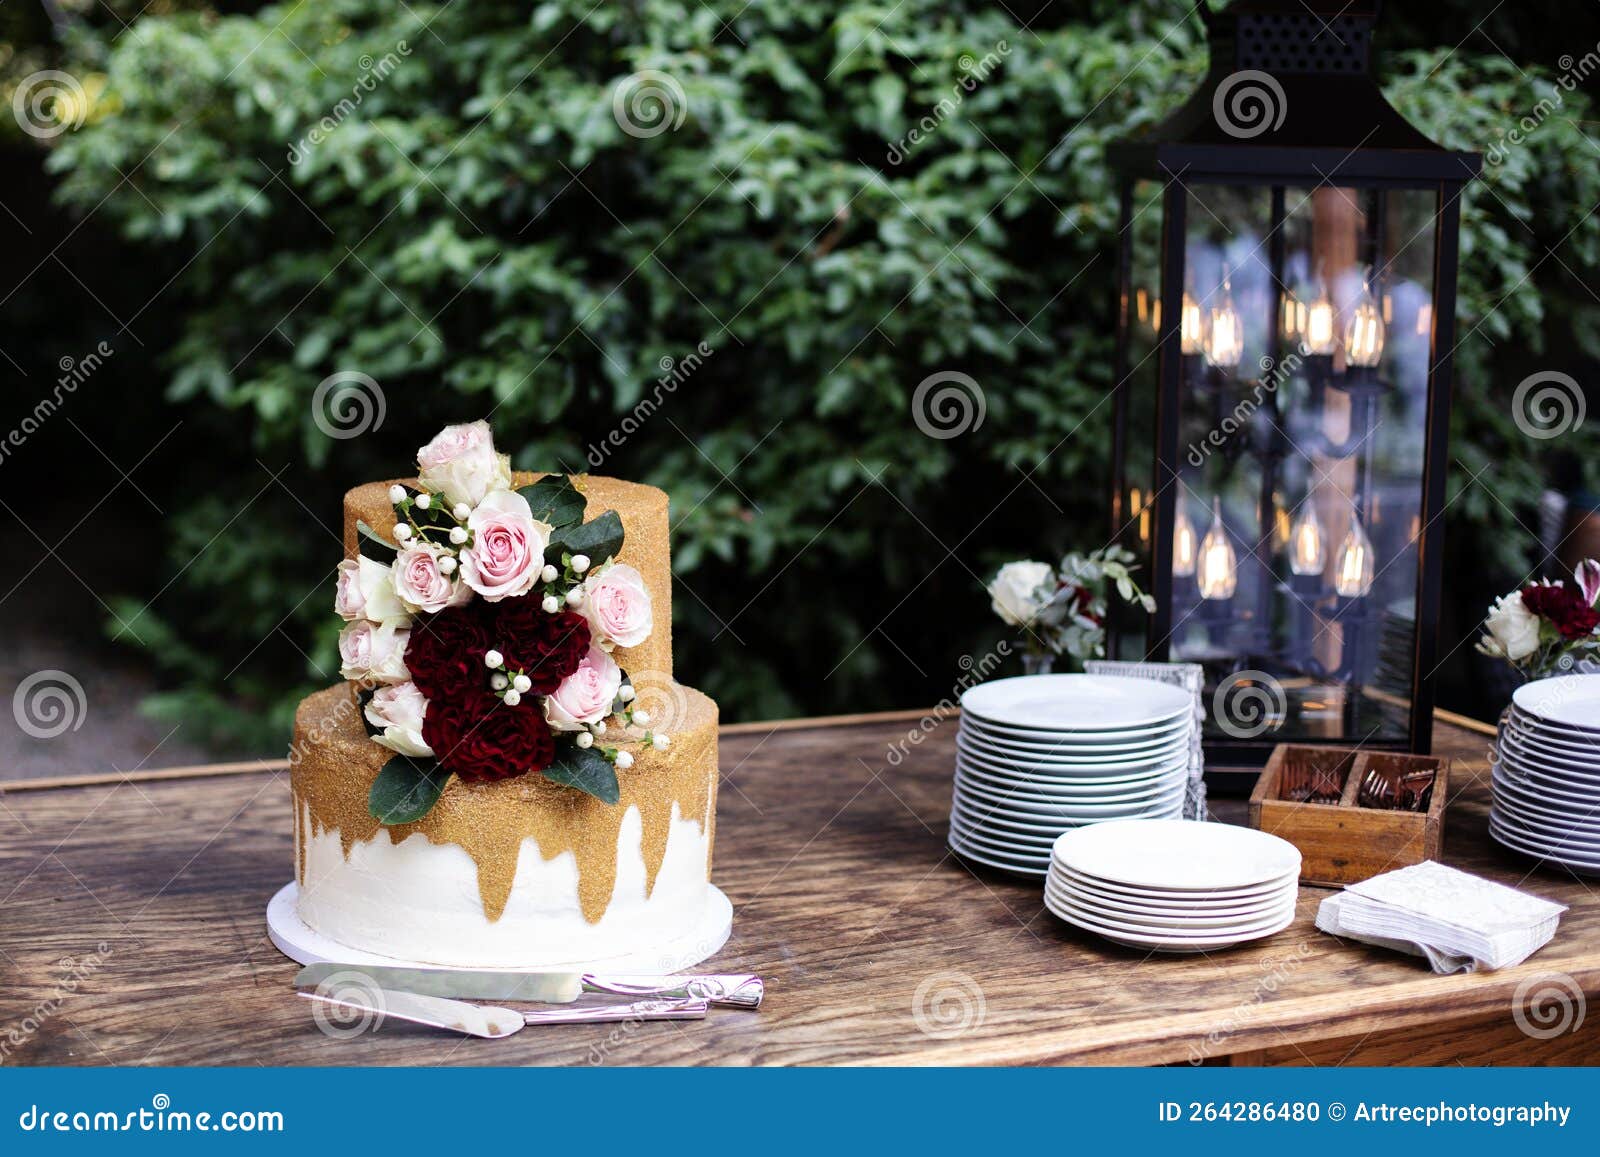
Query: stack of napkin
(1458, 921)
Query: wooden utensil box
(1343, 842)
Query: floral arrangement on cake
(1061, 610)
(482, 638)
(1545, 627)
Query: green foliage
(478, 233)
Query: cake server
(492, 1023)
(732, 991)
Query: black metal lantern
(1287, 277)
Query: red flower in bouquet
(445, 652)
(1563, 607)
(493, 741)
(545, 647)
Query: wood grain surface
(132, 931)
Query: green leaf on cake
(599, 538)
(372, 546)
(554, 499)
(585, 769)
(406, 789)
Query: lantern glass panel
(1301, 436)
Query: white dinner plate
(1074, 785)
(1001, 753)
(1519, 843)
(988, 830)
(1067, 792)
(1184, 896)
(1093, 703)
(1053, 807)
(985, 818)
(1570, 700)
(1167, 911)
(1177, 854)
(1170, 943)
(1547, 833)
(1101, 743)
(1150, 919)
(1583, 757)
(1128, 926)
(1542, 787)
(1517, 800)
(1552, 735)
(1021, 866)
(1188, 898)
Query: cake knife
(732, 991)
(492, 1023)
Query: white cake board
(300, 942)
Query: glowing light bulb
(1424, 319)
(1292, 318)
(1353, 571)
(1218, 573)
(1224, 336)
(1189, 326)
(1185, 544)
(1308, 547)
(1363, 333)
(1319, 336)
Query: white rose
(366, 591)
(1513, 628)
(1020, 591)
(398, 712)
(461, 464)
(374, 652)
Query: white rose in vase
(461, 463)
(1020, 591)
(398, 712)
(1513, 629)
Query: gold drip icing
(336, 763)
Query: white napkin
(1458, 921)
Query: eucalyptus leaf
(372, 546)
(599, 538)
(406, 789)
(554, 499)
(585, 769)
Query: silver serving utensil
(491, 1023)
(732, 991)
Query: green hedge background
(480, 236)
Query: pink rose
(348, 601)
(1588, 576)
(461, 463)
(397, 712)
(421, 585)
(586, 695)
(507, 551)
(617, 605)
(373, 652)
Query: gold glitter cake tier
(334, 763)
(645, 547)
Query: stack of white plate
(1547, 775)
(1174, 885)
(1042, 754)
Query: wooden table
(132, 932)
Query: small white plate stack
(1039, 755)
(1547, 774)
(1174, 885)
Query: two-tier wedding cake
(510, 776)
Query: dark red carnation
(445, 652)
(1563, 607)
(545, 647)
(490, 741)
